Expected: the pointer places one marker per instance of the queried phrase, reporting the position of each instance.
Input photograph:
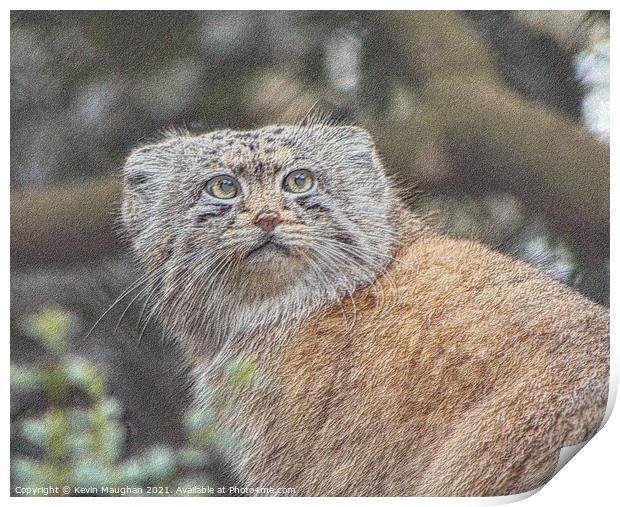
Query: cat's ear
(355, 135)
(142, 167)
(143, 174)
(357, 143)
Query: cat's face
(260, 211)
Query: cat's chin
(268, 252)
(272, 264)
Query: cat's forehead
(257, 153)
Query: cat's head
(260, 211)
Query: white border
(589, 479)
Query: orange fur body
(461, 372)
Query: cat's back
(443, 378)
(443, 297)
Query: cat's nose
(267, 220)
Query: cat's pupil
(300, 180)
(226, 186)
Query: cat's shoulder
(489, 297)
(437, 262)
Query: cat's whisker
(134, 286)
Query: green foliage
(84, 446)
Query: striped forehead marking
(255, 154)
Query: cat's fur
(377, 358)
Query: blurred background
(495, 124)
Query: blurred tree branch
(499, 138)
(64, 223)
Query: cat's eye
(223, 187)
(299, 181)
